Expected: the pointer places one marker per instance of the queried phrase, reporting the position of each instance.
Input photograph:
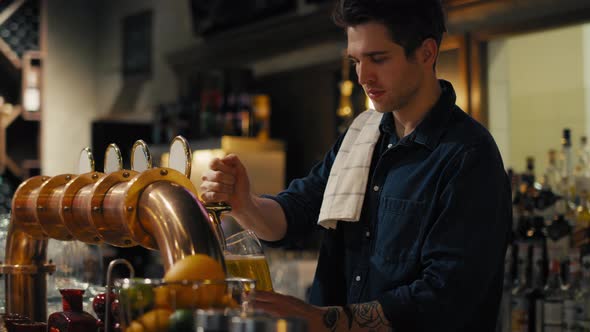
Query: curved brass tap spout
(178, 223)
(25, 272)
(157, 209)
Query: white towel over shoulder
(347, 183)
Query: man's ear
(428, 52)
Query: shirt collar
(434, 124)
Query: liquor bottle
(583, 212)
(538, 241)
(567, 187)
(552, 175)
(538, 267)
(582, 158)
(582, 296)
(72, 318)
(261, 108)
(519, 299)
(559, 238)
(572, 304)
(528, 176)
(246, 115)
(553, 300)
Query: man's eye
(378, 60)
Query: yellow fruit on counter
(195, 267)
(134, 327)
(152, 321)
(191, 296)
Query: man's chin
(381, 109)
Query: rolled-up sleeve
(462, 254)
(302, 200)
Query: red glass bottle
(72, 318)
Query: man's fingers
(268, 308)
(264, 296)
(219, 165)
(217, 187)
(218, 176)
(214, 197)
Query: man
(413, 199)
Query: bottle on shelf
(582, 297)
(553, 298)
(520, 295)
(582, 167)
(572, 305)
(567, 187)
(245, 115)
(583, 212)
(538, 281)
(72, 318)
(261, 108)
(528, 176)
(552, 175)
(559, 238)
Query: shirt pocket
(399, 224)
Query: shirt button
(368, 234)
(358, 278)
(376, 188)
(389, 145)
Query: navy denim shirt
(431, 240)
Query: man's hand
(226, 181)
(356, 317)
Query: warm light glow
(369, 103)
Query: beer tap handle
(180, 156)
(113, 161)
(86, 161)
(141, 159)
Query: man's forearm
(265, 217)
(357, 317)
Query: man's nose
(364, 73)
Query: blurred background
(266, 79)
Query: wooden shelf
(5, 49)
(31, 116)
(7, 119)
(239, 47)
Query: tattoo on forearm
(348, 313)
(369, 315)
(331, 318)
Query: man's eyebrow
(369, 54)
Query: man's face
(389, 78)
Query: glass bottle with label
(582, 297)
(572, 304)
(553, 300)
(536, 307)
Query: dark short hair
(409, 22)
